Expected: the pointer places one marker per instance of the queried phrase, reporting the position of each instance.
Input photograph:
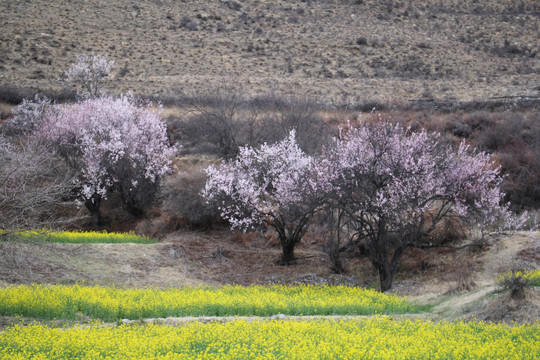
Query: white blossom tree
(396, 185)
(89, 73)
(26, 116)
(273, 184)
(113, 145)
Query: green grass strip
(375, 338)
(106, 303)
(80, 237)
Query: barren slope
(334, 51)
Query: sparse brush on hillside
(33, 187)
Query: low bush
(222, 122)
(182, 200)
(516, 281)
(14, 95)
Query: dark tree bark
(387, 265)
(289, 236)
(335, 259)
(92, 205)
(288, 258)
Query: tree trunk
(92, 205)
(335, 258)
(387, 267)
(385, 276)
(288, 257)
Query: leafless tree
(32, 187)
(224, 121)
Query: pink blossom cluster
(27, 116)
(109, 140)
(388, 180)
(270, 184)
(387, 175)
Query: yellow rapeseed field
(81, 237)
(107, 303)
(375, 338)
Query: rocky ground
(334, 51)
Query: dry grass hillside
(333, 51)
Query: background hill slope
(337, 52)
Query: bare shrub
(223, 122)
(311, 129)
(183, 201)
(515, 139)
(462, 275)
(32, 187)
(14, 95)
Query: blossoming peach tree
(114, 145)
(273, 184)
(396, 185)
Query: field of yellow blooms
(534, 277)
(81, 237)
(375, 338)
(107, 303)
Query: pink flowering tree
(89, 73)
(274, 185)
(396, 185)
(114, 145)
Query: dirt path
(503, 255)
